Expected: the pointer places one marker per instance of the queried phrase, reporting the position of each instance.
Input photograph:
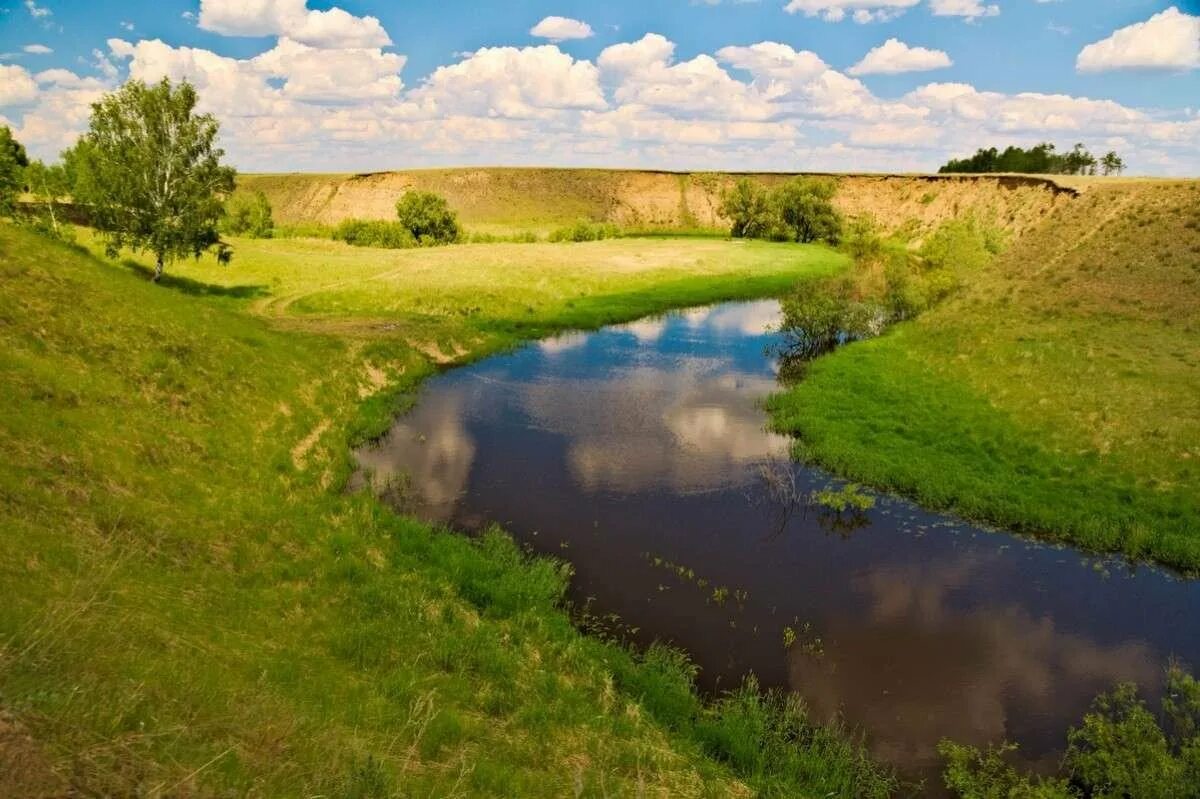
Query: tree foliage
(1042, 159)
(48, 185)
(249, 214)
(748, 209)
(1119, 751)
(805, 207)
(428, 217)
(13, 161)
(151, 173)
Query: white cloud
(36, 11)
(17, 86)
(525, 82)
(894, 56)
(127, 26)
(862, 11)
(37, 49)
(971, 9)
(331, 29)
(1168, 40)
(764, 105)
(648, 78)
(333, 76)
(559, 29)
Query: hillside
(513, 198)
(194, 607)
(1056, 394)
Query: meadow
(194, 605)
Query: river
(640, 454)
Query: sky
(787, 85)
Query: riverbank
(195, 606)
(1055, 395)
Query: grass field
(1059, 394)
(194, 607)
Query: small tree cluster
(800, 209)
(427, 216)
(1042, 159)
(248, 214)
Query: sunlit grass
(194, 606)
(1057, 394)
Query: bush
(821, 314)
(304, 230)
(1120, 750)
(748, 208)
(248, 214)
(428, 218)
(586, 231)
(862, 240)
(375, 233)
(805, 207)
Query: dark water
(639, 454)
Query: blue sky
(960, 74)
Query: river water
(640, 454)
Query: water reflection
(644, 445)
(921, 661)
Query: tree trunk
(158, 270)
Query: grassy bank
(194, 607)
(1057, 394)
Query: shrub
(428, 218)
(1120, 750)
(375, 233)
(248, 214)
(821, 314)
(805, 207)
(586, 231)
(862, 240)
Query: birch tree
(150, 172)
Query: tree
(1112, 164)
(1079, 161)
(151, 172)
(805, 206)
(249, 214)
(47, 184)
(428, 217)
(13, 161)
(748, 209)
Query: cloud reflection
(433, 452)
(923, 668)
(690, 427)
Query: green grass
(193, 605)
(1056, 395)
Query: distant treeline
(1042, 160)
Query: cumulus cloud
(559, 29)
(514, 82)
(1168, 40)
(894, 56)
(37, 49)
(331, 29)
(17, 86)
(861, 11)
(316, 100)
